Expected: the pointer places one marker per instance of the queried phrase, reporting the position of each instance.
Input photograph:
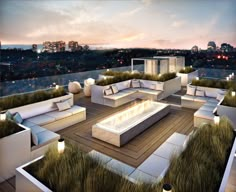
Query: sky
(176, 24)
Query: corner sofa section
(206, 104)
(43, 119)
(148, 89)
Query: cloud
(147, 2)
(132, 37)
(178, 23)
(131, 12)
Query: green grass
(201, 165)
(75, 171)
(187, 70)
(24, 99)
(122, 76)
(8, 127)
(229, 100)
(214, 83)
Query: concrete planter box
(187, 78)
(170, 87)
(14, 151)
(229, 112)
(225, 180)
(26, 182)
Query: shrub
(229, 100)
(75, 171)
(214, 83)
(28, 98)
(187, 70)
(201, 165)
(122, 76)
(8, 127)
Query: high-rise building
(34, 47)
(211, 46)
(226, 47)
(52, 47)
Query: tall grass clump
(75, 171)
(123, 76)
(28, 98)
(214, 83)
(187, 70)
(8, 127)
(229, 100)
(201, 165)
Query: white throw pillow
(160, 86)
(135, 83)
(114, 89)
(64, 105)
(108, 91)
(219, 96)
(191, 90)
(200, 93)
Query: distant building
(211, 46)
(53, 47)
(226, 47)
(34, 47)
(194, 49)
(74, 46)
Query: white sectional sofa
(126, 92)
(43, 118)
(205, 99)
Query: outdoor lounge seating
(204, 99)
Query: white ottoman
(74, 87)
(87, 86)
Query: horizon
(120, 24)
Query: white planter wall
(229, 112)
(171, 86)
(187, 78)
(14, 151)
(26, 182)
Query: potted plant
(187, 74)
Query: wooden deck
(138, 149)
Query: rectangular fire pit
(121, 127)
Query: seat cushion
(17, 118)
(59, 114)
(47, 136)
(75, 109)
(149, 91)
(191, 90)
(201, 99)
(204, 114)
(63, 105)
(188, 97)
(123, 85)
(41, 119)
(37, 129)
(207, 108)
(120, 94)
(213, 100)
(28, 123)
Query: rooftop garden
(201, 166)
(123, 76)
(187, 70)
(28, 98)
(8, 127)
(214, 83)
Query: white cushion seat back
(123, 85)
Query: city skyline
(121, 24)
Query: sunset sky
(120, 23)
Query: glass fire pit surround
(121, 127)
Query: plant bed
(187, 75)
(214, 83)
(201, 165)
(15, 147)
(29, 98)
(72, 171)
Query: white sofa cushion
(219, 96)
(63, 105)
(213, 100)
(120, 95)
(200, 93)
(148, 84)
(36, 129)
(204, 114)
(123, 85)
(108, 91)
(201, 99)
(59, 114)
(188, 97)
(28, 123)
(149, 91)
(41, 119)
(191, 90)
(34, 138)
(160, 86)
(75, 109)
(207, 108)
(46, 136)
(114, 89)
(17, 118)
